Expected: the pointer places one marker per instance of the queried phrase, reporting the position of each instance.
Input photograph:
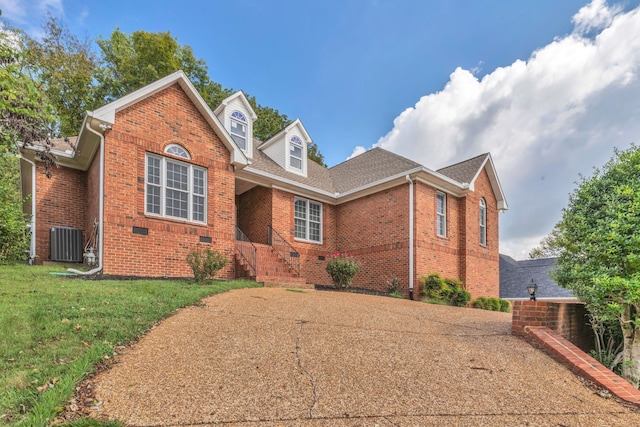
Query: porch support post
(410, 237)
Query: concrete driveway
(272, 357)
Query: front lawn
(54, 329)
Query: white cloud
(357, 151)
(545, 120)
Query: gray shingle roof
(516, 275)
(464, 171)
(317, 176)
(369, 167)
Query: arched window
(483, 222)
(177, 150)
(239, 129)
(295, 153)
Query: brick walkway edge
(580, 362)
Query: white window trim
(247, 137)
(307, 220)
(442, 214)
(483, 224)
(163, 188)
(302, 155)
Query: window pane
(177, 176)
(153, 170)
(301, 209)
(314, 212)
(240, 141)
(296, 163)
(153, 199)
(300, 229)
(198, 182)
(198, 208)
(176, 204)
(314, 231)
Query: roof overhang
(495, 182)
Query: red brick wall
(375, 228)
(311, 268)
(481, 270)
(254, 213)
(148, 127)
(60, 202)
(435, 253)
(568, 319)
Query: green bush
(492, 304)
(14, 240)
(206, 264)
(342, 267)
(505, 306)
(446, 290)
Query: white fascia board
(243, 99)
(281, 183)
(107, 113)
(493, 180)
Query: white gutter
(32, 243)
(410, 236)
(101, 206)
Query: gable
(288, 148)
(107, 114)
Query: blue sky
(548, 87)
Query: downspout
(100, 209)
(32, 243)
(410, 237)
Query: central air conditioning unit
(66, 244)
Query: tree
(130, 62)
(314, 154)
(26, 116)
(600, 250)
(547, 247)
(65, 68)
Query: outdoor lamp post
(532, 288)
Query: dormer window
(295, 153)
(239, 129)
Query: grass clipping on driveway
(54, 329)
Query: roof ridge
(374, 149)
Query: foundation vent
(66, 244)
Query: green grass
(54, 329)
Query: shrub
(492, 304)
(342, 267)
(206, 264)
(448, 291)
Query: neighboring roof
(465, 171)
(369, 167)
(515, 276)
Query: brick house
(158, 173)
